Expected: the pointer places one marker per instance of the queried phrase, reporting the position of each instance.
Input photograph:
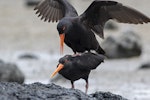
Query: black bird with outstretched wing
(100, 11)
(78, 31)
(80, 66)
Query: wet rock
(38, 91)
(111, 25)
(1, 61)
(145, 66)
(28, 56)
(32, 2)
(107, 96)
(10, 73)
(126, 45)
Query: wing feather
(47, 14)
(91, 62)
(100, 11)
(54, 10)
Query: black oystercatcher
(76, 67)
(78, 31)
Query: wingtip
(35, 8)
(145, 21)
(148, 20)
(37, 12)
(39, 15)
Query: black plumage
(78, 31)
(80, 66)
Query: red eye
(66, 61)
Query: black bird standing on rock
(78, 31)
(79, 66)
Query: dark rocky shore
(39, 91)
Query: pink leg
(86, 87)
(72, 85)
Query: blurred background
(31, 46)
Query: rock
(1, 61)
(28, 56)
(32, 2)
(126, 45)
(111, 25)
(10, 73)
(145, 66)
(107, 96)
(38, 91)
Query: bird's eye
(66, 61)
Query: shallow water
(22, 32)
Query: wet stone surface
(145, 66)
(38, 91)
(127, 45)
(28, 56)
(9, 72)
(32, 2)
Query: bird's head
(62, 63)
(62, 28)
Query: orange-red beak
(60, 66)
(62, 37)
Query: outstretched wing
(100, 11)
(88, 61)
(54, 10)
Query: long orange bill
(62, 37)
(60, 66)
